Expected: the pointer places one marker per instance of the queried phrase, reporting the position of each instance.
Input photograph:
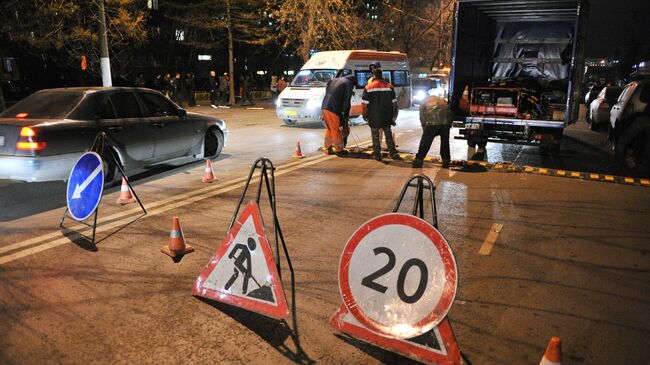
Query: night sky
(612, 23)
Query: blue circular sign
(85, 186)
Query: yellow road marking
(594, 176)
(609, 178)
(122, 218)
(560, 172)
(543, 171)
(575, 174)
(629, 180)
(490, 239)
(528, 169)
(644, 181)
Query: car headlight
(314, 103)
(419, 95)
(278, 103)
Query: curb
(510, 167)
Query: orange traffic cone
(208, 175)
(176, 246)
(298, 153)
(125, 194)
(553, 354)
(463, 102)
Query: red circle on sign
(445, 301)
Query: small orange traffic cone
(177, 246)
(298, 153)
(208, 175)
(553, 354)
(463, 102)
(125, 194)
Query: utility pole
(231, 66)
(105, 62)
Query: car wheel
(213, 143)
(289, 122)
(108, 167)
(635, 138)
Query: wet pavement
(570, 259)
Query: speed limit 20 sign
(398, 275)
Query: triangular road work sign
(242, 272)
(437, 346)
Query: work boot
(377, 156)
(445, 164)
(395, 156)
(417, 163)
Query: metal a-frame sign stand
(266, 168)
(100, 146)
(421, 183)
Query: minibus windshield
(313, 78)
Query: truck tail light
(27, 142)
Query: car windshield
(313, 78)
(44, 105)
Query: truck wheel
(543, 149)
(289, 122)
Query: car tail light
(27, 132)
(31, 146)
(27, 142)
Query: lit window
(152, 4)
(205, 57)
(180, 35)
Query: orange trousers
(333, 136)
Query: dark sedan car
(42, 136)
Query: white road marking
(452, 172)
(122, 218)
(490, 239)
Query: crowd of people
(182, 87)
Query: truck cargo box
(532, 46)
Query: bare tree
(210, 23)
(67, 29)
(309, 25)
(420, 28)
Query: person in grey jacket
(436, 118)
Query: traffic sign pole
(99, 149)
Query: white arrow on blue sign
(85, 186)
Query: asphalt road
(570, 260)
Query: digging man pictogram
(242, 255)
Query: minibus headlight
(314, 103)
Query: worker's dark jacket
(379, 103)
(337, 96)
(212, 84)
